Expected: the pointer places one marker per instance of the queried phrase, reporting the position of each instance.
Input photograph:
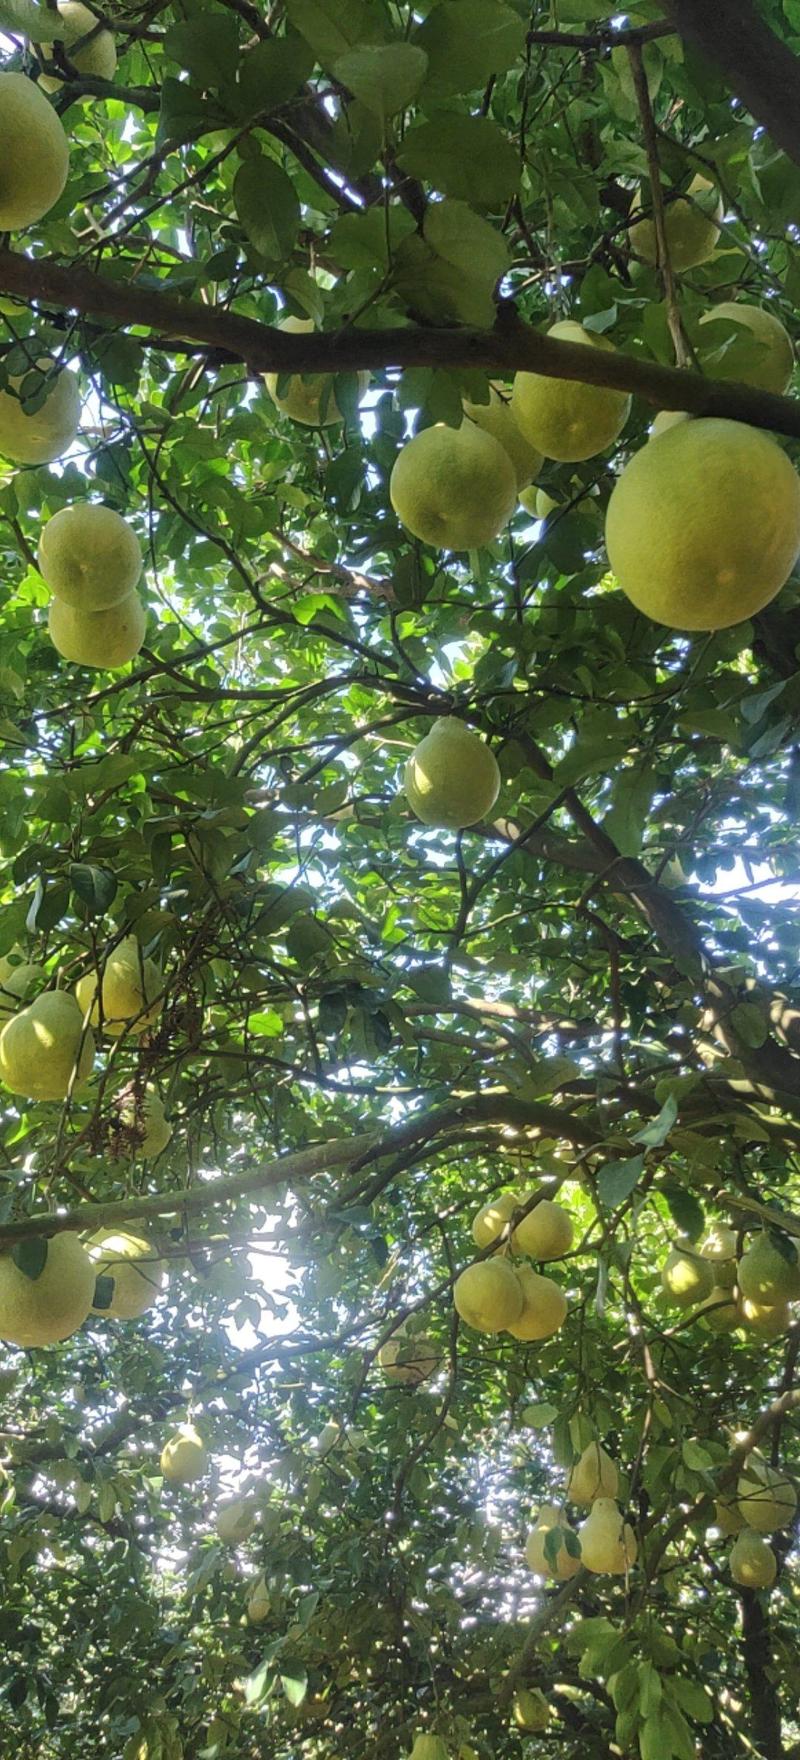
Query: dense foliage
(598, 985)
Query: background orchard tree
(267, 1490)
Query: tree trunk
(764, 1701)
(763, 72)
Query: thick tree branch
(761, 69)
(508, 348)
(499, 1108)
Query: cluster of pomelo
(47, 1047)
(497, 1295)
(604, 1543)
(118, 1275)
(752, 1292)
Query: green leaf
(631, 798)
(467, 41)
(370, 240)
(617, 1180)
(749, 1023)
(267, 206)
(208, 47)
(537, 1417)
(692, 1698)
(696, 1458)
(294, 1681)
(654, 1134)
(96, 887)
(22, 18)
(331, 27)
(257, 1684)
(684, 1208)
(463, 239)
(272, 72)
(383, 76)
(30, 1257)
(185, 114)
(103, 1292)
(466, 157)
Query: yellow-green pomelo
(765, 1495)
(545, 1233)
(593, 1475)
(564, 418)
(718, 1244)
(766, 1275)
(184, 1457)
(496, 417)
(451, 778)
(531, 1710)
(89, 556)
(752, 1561)
(775, 364)
(686, 1278)
(34, 154)
(137, 1272)
(44, 1045)
(491, 1219)
(259, 1603)
(703, 526)
(764, 1320)
(308, 397)
(47, 1308)
(101, 639)
(409, 1359)
(96, 59)
(130, 991)
(667, 418)
(235, 1521)
(429, 1748)
(564, 1565)
(544, 1307)
(718, 1310)
(692, 227)
(454, 488)
(16, 983)
(489, 1296)
(47, 434)
(727, 1517)
(608, 1544)
(143, 1120)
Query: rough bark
(762, 71)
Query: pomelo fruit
(41, 1046)
(129, 994)
(686, 1278)
(692, 227)
(451, 778)
(47, 1308)
(100, 639)
(565, 1565)
(766, 1275)
(763, 1320)
(593, 1475)
(544, 1307)
(259, 1603)
(703, 526)
(775, 364)
(545, 1233)
(765, 1496)
(184, 1457)
(531, 1710)
(89, 556)
(308, 398)
(132, 1263)
(496, 418)
(34, 157)
(408, 1358)
(97, 58)
(235, 1521)
(489, 1295)
(491, 1219)
(563, 418)
(752, 1561)
(50, 431)
(667, 418)
(454, 488)
(608, 1544)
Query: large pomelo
(564, 418)
(454, 488)
(703, 527)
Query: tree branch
(355, 1152)
(508, 348)
(761, 69)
